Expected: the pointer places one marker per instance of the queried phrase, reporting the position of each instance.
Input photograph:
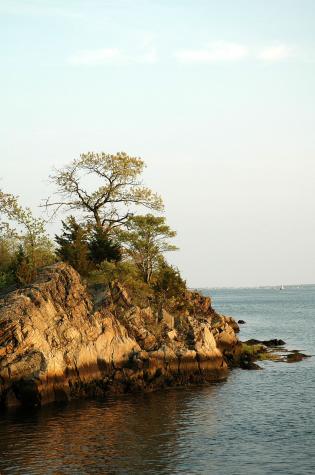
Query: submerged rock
(269, 343)
(58, 343)
(241, 322)
(250, 365)
(273, 342)
(295, 357)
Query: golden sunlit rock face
(56, 343)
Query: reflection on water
(138, 431)
(256, 423)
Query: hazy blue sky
(216, 96)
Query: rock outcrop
(58, 341)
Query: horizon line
(264, 286)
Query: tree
(8, 249)
(168, 282)
(146, 240)
(102, 247)
(73, 245)
(8, 245)
(120, 188)
(34, 228)
(85, 247)
(31, 235)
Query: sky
(216, 96)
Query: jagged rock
(120, 295)
(232, 323)
(199, 302)
(225, 337)
(172, 334)
(168, 319)
(57, 342)
(269, 343)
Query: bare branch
(121, 187)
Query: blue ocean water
(255, 423)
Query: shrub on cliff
(26, 246)
(85, 247)
(168, 285)
(73, 246)
(145, 241)
(102, 247)
(126, 274)
(7, 252)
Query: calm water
(258, 422)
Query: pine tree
(73, 245)
(103, 248)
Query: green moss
(267, 356)
(252, 350)
(258, 352)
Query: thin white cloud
(276, 53)
(149, 57)
(111, 55)
(215, 52)
(94, 57)
(218, 51)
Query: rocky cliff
(60, 341)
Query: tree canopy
(145, 240)
(73, 245)
(103, 239)
(27, 244)
(109, 205)
(34, 228)
(85, 246)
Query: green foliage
(23, 269)
(6, 279)
(125, 273)
(73, 245)
(252, 350)
(110, 272)
(132, 254)
(102, 247)
(25, 249)
(85, 247)
(168, 282)
(145, 240)
(120, 187)
(34, 228)
(7, 252)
